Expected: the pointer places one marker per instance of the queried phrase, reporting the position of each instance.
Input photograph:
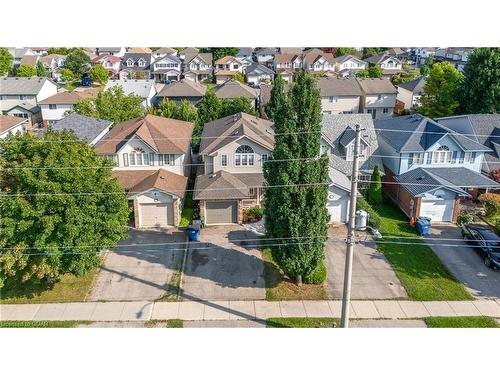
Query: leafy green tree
(374, 71)
(374, 193)
(185, 111)
(219, 52)
(6, 61)
(239, 77)
(209, 108)
(480, 89)
(296, 180)
(40, 69)
(372, 51)
(167, 108)
(236, 105)
(342, 51)
(277, 98)
(49, 214)
(67, 75)
(26, 71)
(426, 68)
(112, 104)
(99, 73)
(440, 91)
(58, 51)
(406, 75)
(77, 61)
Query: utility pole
(350, 233)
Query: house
(197, 67)
(167, 68)
(286, 74)
(234, 89)
(145, 88)
(485, 129)
(40, 51)
(319, 62)
(428, 167)
(152, 156)
(245, 54)
(390, 64)
(349, 65)
(421, 54)
(58, 106)
(291, 50)
(265, 56)
(286, 61)
(233, 149)
(12, 125)
(410, 93)
(139, 50)
(226, 68)
(164, 51)
(53, 63)
(18, 54)
(29, 60)
(183, 90)
(111, 63)
(339, 95)
(188, 51)
(88, 129)
(136, 66)
(257, 74)
(337, 141)
(114, 51)
(457, 56)
(19, 96)
(379, 97)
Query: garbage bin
(193, 232)
(423, 227)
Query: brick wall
(136, 213)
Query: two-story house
(233, 149)
(421, 54)
(287, 61)
(257, 74)
(167, 68)
(12, 125)
(226, 67)
(457, 56)
(197, 67)
(19, 96)
(411, 92)
(265, 56)
(321, 62)
(339, 95)
(164, 51)
(390, 64)
(337, 141)
(136, 66)
(379, 97)
(114, 51)
(111, 63)
(145, 88)
(88, 129)
(18, 54)
(349, 65)
(245, 55)
(184, 89)
(57, 106)
(234, 89)
(152, 157)
(53, 63)
(428, 167)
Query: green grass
(172, 295)
(175, 323)
(280, 288)
(420, 270)
(172, 323)
(69, 288)
(209, 85)
(301, 323)
(42, 324)
(461, 322)
(70, 86)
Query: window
(130, 63)
(142, 63)
(442, 155)
(385, 110)
(151, 159)
(244, 156)
(166, 159)
(418, 158)
(235, 66)
(52, 106)
(22, 97)
(470, 157)
(264, 158)
(113, 158)
(223, 160)
(333, 99)
(125, 160)
(132, 159)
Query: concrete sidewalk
(245, 310)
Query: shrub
(465, 218)
(374, 219)
(253, 213)
(491, 203)
(318, 276)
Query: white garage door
(156, 215)
(338, 210)
(221, 212)
(437, 210)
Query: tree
(40, 69)
(6, 60)
(277, 97)
(440, 91)
(219, 52)
(296, 180)
(239, 77)
(342, 51)
(372, 51)
(58, 50)
(166, 108)
(374, 71)
(374, 193)
(26, 71)
(209, 108)
(52, 216)
(112, 104)
(480, 89)
(408, 74)
(426, 68)
(99, 73)
(77, 61)
(67, 75)
(236, 105)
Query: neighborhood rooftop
(85, 128)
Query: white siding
(55, 114)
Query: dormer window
(130, 63)
(442, 155)
(141, 62)
(244, 156)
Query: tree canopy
(374, 195)
(26, 71)
(58, 50)
(40, 69)
(374, 71)
(219, 52)
(77, 61)
(342, 51)
(50, 224)
(67, 75)
(235, 105)
(99, 73)
(6, 60)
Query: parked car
(485, 241)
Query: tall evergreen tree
(209, 108)
(375, 188)
(277, 97)
(40, 69)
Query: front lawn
(461, 322)
(302, 323)
(68, 289)
(280, 288)
(420, 270)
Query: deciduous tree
(235, 105)
(40, 69)
(77, 61)
(99, 73)
(26, 71)
(67, 75)
(6, 60)
(219, 52)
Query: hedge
(374, 219)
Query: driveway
(224, 265)
(463, 261)
(133, 272)
(372, 275)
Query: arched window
(443, 148)
(138, 157)
(244, 156)
(442, 155)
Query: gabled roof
(165, 50)
(140, 87)
(234, 89)
(257, 68)
(206, 57)
(314, 51)
(381, 57)
(85, 128)
(109, 49)
(347, 136)
(227, 60)
(139, 50)
(190, 50)
(30, 60)
(164, 135)
(139, 181)
(173, 58)
(220, 185)
(70, 97)
(135, 57)
(216, 134)
(377, 86)
(22, 85)
(183, 88)
(286, 58)
(416, 86)
(312, 57)
(245, 51)
(333, 86)
(342, 59)
(107, 57)
(8, 122)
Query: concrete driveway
(372, 275)
(463, 261)
(224, 265)
(132, 272)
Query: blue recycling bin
(193, 233)
(423, 227)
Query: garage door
(156, 215)
(221, 212)
(437, 210)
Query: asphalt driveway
(224, 265)
(463, 261)
(372, 275)
(131, 272)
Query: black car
(485, 241)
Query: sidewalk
(245, 310)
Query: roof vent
(420, 178)
(162, 177)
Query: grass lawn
(301, 322)
(279, 287)
(420, 270)
(209, 85)
(41, 324)
(70, 86)
(461, 322)
(172, 323)
(68, 289)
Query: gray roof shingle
(85, 128)
(21, 85)
(333, 86)
(141, 87)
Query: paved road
(463, 262)
(224, 265)
(372, 275)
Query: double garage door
(221, 212)
(156, 215)
(438, 210)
